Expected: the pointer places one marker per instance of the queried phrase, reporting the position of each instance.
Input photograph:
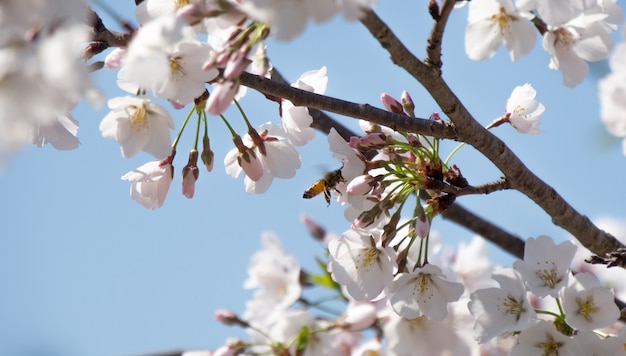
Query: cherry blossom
(524, 112)
(430, 337)
(280, 159)
(587, 304)
(359, 262)
(543, 339)
(40, 61)
(138, 124)
(577, 35)
(501, 310)
(612, 94)
(495, 22)
(150, 183)
(296, 119)
(545, 268)
(274, 273)
(425, 291)
(167, 58)
(60, 133)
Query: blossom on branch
(138, 124)
(166, 57)
(587, 304)
(501, 310)
(495, 22)
(296, 119)
(150, 183)
(545, 268)
(425, 291)
(524, 112)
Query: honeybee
(330, 180)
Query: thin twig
(433, 49)
(487, 188)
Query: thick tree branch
(439, 129)
(471, 132)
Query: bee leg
(327, 197)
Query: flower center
(366, 257)
(513, 307)
(139, 118)
(502, 20)
(550, 347)
(180, 3)
(549, 277)
(177, 69)
(565, 38)
(586, 307)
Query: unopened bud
(407, 104)
(368, 126)
(222, 95)
(190, 174)
(434, 117)
(360, 185)
(315, 229)
(391, 104)
(207, 154)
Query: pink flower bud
(236, 64)
(359, 185)
(391, 103)
(374, 139)
(315, 229)
(434, 117)
(225, 316)
(422, 226)
(189, 181)
(222, 95)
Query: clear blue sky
(86, 271)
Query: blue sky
(84, 270)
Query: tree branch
(438, 129)
(486, 188)
(433, 49)
(471, 132)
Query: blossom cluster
(431, 311)
(573, 32)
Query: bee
(330, 180)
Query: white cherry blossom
(501, 310)
(587, 304)
(359, 262)
(296, 119)
(545, 268)
(612, 93)
(424, 291)
(543, 339)
(274, 274)
(60, 133)
(524, 112)
(150, 183)
(495, 22)
(280, 160)
(167, 58)
(138, 124)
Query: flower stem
(182, 128)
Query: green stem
(558, 303)
(243, 114)
(182, 128)
(230, 128)
(546, 312)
